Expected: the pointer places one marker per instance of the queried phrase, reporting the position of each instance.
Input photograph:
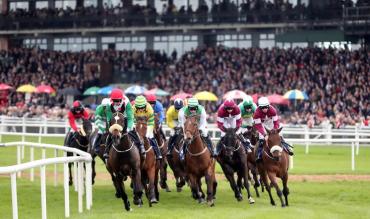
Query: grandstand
(138, 41)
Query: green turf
(320, 160)
(341, 199)
(307, 200)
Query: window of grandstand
(111, 3)
(235, 40)
(42, 4)
(18, 5)
(124, 43)
(35, 43)
(65, 4)
(180, 43)
(267, 40)
(93, 3)
(286, 45)
(139, 2)
(74, 44)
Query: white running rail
(79, 158)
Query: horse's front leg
(264, 179)
(229, 173)
(163, 173)
(210, 187)
(151, 177)
(245, 174)
(137, 186)
(70, 173)
(272, 177)
(93, 173)
(121, 189)
(285, 188)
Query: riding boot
(156, 149)
(107, 146)
(259, 150)
(218, 148)
(68, 139)
(171, 145)
(95, 142)
(287, 147)
(183, 152)
(209, 145)
(138, 143)
(246, 143)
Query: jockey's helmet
(140, 102)
(193, 104)
(229, 104)
(151, 98)
(178, 103)
(248, 102)
(263, 102)
(77, 106)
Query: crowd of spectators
(336, 81)
(225, 11)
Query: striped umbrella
(156, 91)
(136, 89)
(235, 94)
(296, 95)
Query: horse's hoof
(273, 204)
(283, 205)
(251, 200)
(239, 198)
(153, 201)
(211, 203)
(201, 201)
(179, 189)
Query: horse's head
(191, 127)
(230, 142)
(141, 125)
(252, 135)
(274, 143)
(117, 126)
(87, 128)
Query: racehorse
(174, 160)
(124, 160)
(252, 135)
(161, 139)
(198, 162)
(275, 163)
(150, 167)
(233, 158)
(81, 141)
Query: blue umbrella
(296, 95)
(105, 90)
(136, 89)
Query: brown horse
(198, 162)
(124, 160)
(233, 159)
(174, 162)
(150, 167)
(161, 139)
(81, 141)
(252, 135)
(275, 163)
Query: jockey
(143, 109)
(192, 108)
(247, 109)
(266, 116)
(228, 116)
(158, 110)
(117, 103)
(77, 112)
(172, 117)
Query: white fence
(79, 158)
